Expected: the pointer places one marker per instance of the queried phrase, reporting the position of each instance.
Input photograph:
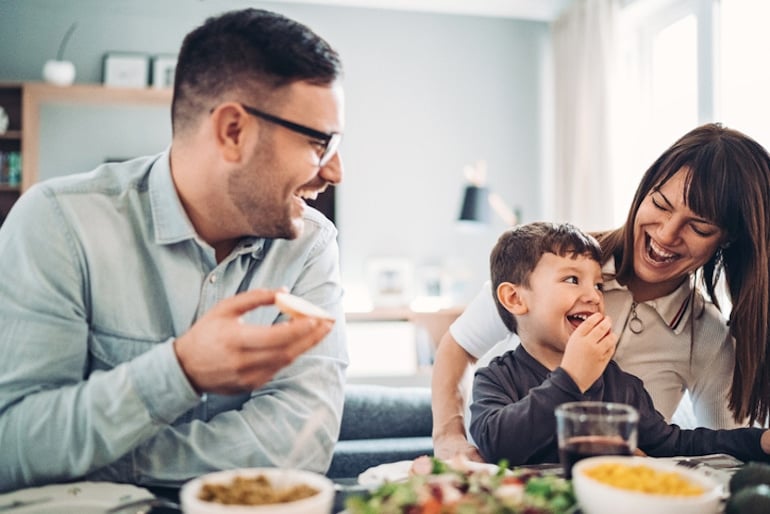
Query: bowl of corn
(642, 485)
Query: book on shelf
(10, 169)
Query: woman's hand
(455, 446)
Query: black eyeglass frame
(330, 140)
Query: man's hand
(222, 354)
(451, 447)
(589, 349)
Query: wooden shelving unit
(23, 102)
(10, 140)
(37, 94)
(11, 135)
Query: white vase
(61, 73)
(3, 121)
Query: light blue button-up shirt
(99, 273)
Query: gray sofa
(381, 424)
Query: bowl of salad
(437, 487)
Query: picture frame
(123, 69)
(163, 69)
(390, 281)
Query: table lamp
(477, 199)
(475, 206)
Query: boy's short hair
(518, 250)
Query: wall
(426, 94)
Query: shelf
(13, 135)
(10, 140)
(40, 92)
(23, 102)
(37, 94)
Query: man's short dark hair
(518, 250)
(249, 51)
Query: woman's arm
(451, 367)
(474, 333)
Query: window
(673, 81)
(744, 76)
(666, 85)
(684, 63)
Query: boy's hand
(589, 349)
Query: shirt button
(213, 279)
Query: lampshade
(475, 204)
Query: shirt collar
(170, 220)
(672, 308)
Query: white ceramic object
(595, 497)
(73, 498)
(61, 73)
(3, 121)
(401, 470)
(321, 503)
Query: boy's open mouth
(576, 319)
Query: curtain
(583, 43)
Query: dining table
(719, 466)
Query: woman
(700, 210)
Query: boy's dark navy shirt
(512, 414)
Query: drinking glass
(587, 429)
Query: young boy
(547, 284)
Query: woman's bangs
(708, 194)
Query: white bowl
(595, 497)
(320, 503)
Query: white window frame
(640, 21)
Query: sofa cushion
(377, 412)
(353, 457)
(381, 424)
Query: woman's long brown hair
(728, 183)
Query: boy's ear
(510, 297)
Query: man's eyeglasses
(329, 142)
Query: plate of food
(435, 486)
(76, 498)
(258, 490)
(403, 469)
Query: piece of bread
(297, 307)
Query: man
(139, 339)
